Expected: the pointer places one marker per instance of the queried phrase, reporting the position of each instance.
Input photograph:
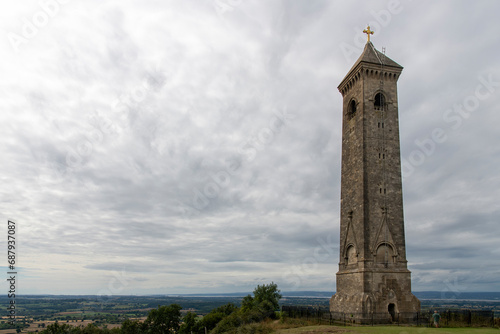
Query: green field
(387, 330)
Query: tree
(254, 309)
(225, 309)
(55, 328)
(189, 323)
(211, 320)
(268, 293)
(90, 329)
(262, 305)
(247, 303)
(133, 327)
(164, 320)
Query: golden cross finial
(368, 32)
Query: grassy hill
(386, 330)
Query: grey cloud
(117, 116)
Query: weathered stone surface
(373, 279)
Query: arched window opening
(351, 255)
(351, 109)
(379, 102)
(385, 254)
(368, 305)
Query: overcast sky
(194, 146)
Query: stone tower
(373, 281)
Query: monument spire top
(368, 32)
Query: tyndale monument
(373, 281)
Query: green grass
(316, 329)
(421, 330)
(388, 330)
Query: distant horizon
(305, 293)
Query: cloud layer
(187, 147)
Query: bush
(255, 328)
(227, 324)
(253, 310)
(211, 320)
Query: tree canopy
(167, 319)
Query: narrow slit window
(351, 110)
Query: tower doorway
(392, 311)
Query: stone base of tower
(374, 297)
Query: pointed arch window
(379, 103)
(384, 254)
(351, 255)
